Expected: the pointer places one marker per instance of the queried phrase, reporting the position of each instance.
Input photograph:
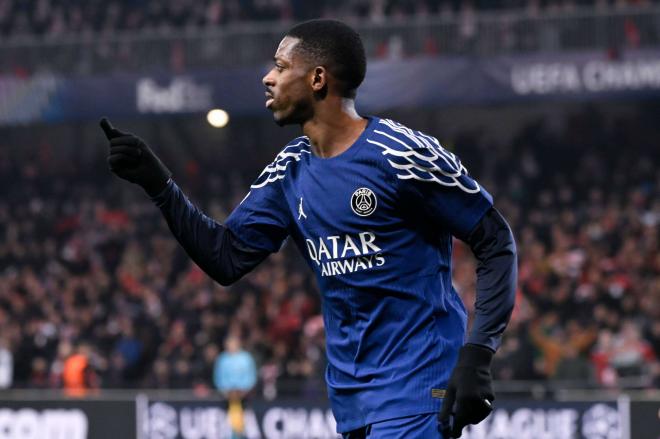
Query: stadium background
(552, 105)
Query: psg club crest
(363, 201)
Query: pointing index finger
(110, 131)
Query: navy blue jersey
(375, 223)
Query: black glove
(131, 159)
(469, 393)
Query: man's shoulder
(293, 151)
(288, 157)
(394, 135)
(415, 155)
(300, 143)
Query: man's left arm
(436, 185)
(495, 249)
(469, 392)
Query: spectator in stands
(235, 375)
(653, 335)
(631, 356)
(160, 378)
(515, 359)
(605, 373)
(129, 349)
(574, 369)
(6, 365)
(78, 374)
(558, 342)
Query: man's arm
(495, 249)
(469, 392)
(211, 245)
(435, 183)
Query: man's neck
(334, 128)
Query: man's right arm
(213, 247)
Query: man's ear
(319, 78)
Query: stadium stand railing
(252, 43)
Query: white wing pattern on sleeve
(277, 169)
(418, 156)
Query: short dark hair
(336, 46)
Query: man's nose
(267, 80)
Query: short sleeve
(261, 220)
(434, 183)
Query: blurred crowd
(98, 296)
(585, 211)
(94, 37)
(19, 18)
(95, 293)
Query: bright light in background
(217, 118)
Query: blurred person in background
(559, 343)
(203, 369)
(78, 373)
(601, 359)
(235, 374)
(574, 369)
(161, 376)
(40, 376)
(631, 356)
(399, 359)
(6, 365)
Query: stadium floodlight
(217, 118)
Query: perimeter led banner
(162, 419)
(191, 418)
(645, 419)
(554, 420)
(67, 419)
(199, 419)
(404, 83)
